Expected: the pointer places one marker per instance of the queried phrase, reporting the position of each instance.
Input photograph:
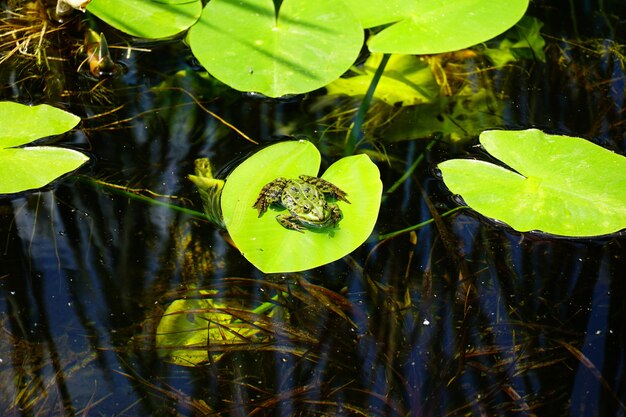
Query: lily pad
(148, 18)
(245, 45)
(561, 185)
(34, 167)
(271, 247)
(437, 26)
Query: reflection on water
(461, 317)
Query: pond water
(460, 317)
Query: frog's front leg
(326, 187)
(270, 194)
(289, 222)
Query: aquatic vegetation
(411, 305)
(250, 48)
(271, 247)
(148, 19)
(302, 46)
(31, 167)
(561, 185)
(196, 327)
(434, 27)
(406, 81)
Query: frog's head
(313, 213)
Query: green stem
(357, 134)
(419, 225)
(121, 191)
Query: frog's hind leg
(335, 214)
(326, 187)
(287, 221)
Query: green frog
(305, 198)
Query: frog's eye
(306, 208)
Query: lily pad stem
(356, 133)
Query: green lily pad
(562, 185)
(243, 44)
(23, 124)
(271, 247)
(437, 26)
(148, 18)
(33, 167)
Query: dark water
(460, 317)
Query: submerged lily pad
(562, 185)
(148, 18)
(271, 247)
(33, 167)
(437, 26)
(245, 45)
(190, 326)
(406, 81)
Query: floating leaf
(23, 124)
(271, 247)
(244, 44)
(563, 185)
(33, 167)
(437, 26)
(148, 18)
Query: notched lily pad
(271, 247)
(246, 46)
(561, 185)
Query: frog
(305, 199)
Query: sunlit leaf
(562, 185)
(148, 18)
(23, 124)
(33, 167)
(244, 45)
(271, 247)
(437, 26)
